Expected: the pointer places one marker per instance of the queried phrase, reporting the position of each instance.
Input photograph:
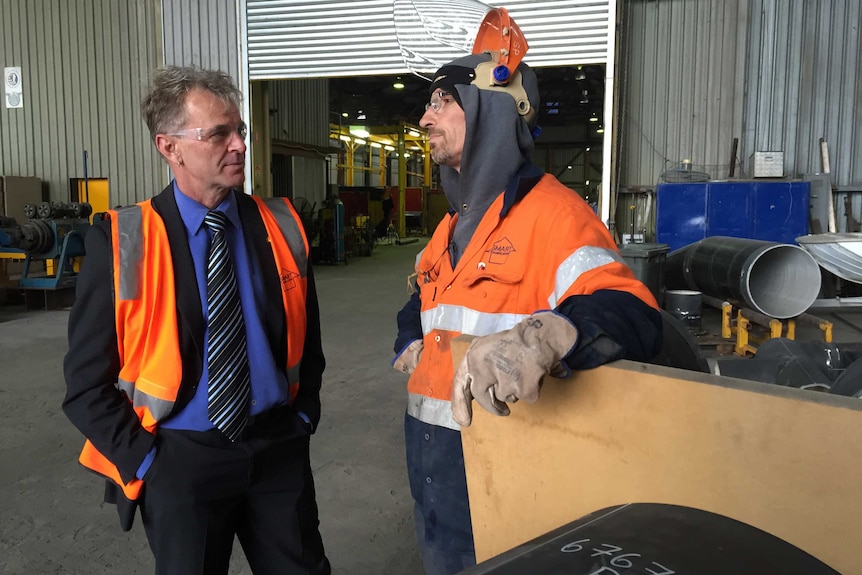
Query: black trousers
(202, 490)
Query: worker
(388, 204)
(522, 263)
(195, 358)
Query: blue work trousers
(438, 483)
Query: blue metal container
(772, 210)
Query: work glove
(408, 359)
(507, 366)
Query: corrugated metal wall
(777, 74)
(299, 114)
(304, 38)
(805, 79)
(299, 111)
(84, 66)
(202, 33)
(679, 70)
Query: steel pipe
(777, 280)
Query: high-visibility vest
(146, 312)
(548, 247)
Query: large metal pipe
(778, 280)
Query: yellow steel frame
(397, 137)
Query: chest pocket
(495, 291)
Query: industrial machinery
(54, 234)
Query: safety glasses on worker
(215, 135)
(439, 99)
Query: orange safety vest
(146, 316)
(549, 246)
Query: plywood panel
(782, 460)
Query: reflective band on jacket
(583, 260)
(467, 321)
(430, 410)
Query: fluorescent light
(594, 119)
(389, 148)
(415, 148)
(359, 141)
(376, 145)
(398, 85)
(359, 131)
(413, 133)
(344, 138)
(600, 130)
(345, 114)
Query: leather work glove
(408, 359)
(507, 366)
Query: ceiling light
(415, 148)
(359, 141)
(594, 119)
(587, 183)
(344, 138)
(406, 154)
(376, 145)
(398, 85)
(412, 132)
(344, 114)
(588, 149)
(580, 74)
(359, 131)
(568, 167)
(600, 130)
(389, 148)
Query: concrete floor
(53, 520)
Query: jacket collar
(525, 179)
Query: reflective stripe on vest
(291, 231)
(131, 251)
(280, 218)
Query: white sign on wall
(12, 79)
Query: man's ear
(167, 147)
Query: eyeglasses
(215, 135)
(438, 100)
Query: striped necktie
(229, 385)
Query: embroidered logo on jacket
(499, 252)
(288, 280)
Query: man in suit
(195, 359)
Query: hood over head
(499, 135)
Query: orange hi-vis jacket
(548, 247)
(146, 313)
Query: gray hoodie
(497, 142)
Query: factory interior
(732, 193)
